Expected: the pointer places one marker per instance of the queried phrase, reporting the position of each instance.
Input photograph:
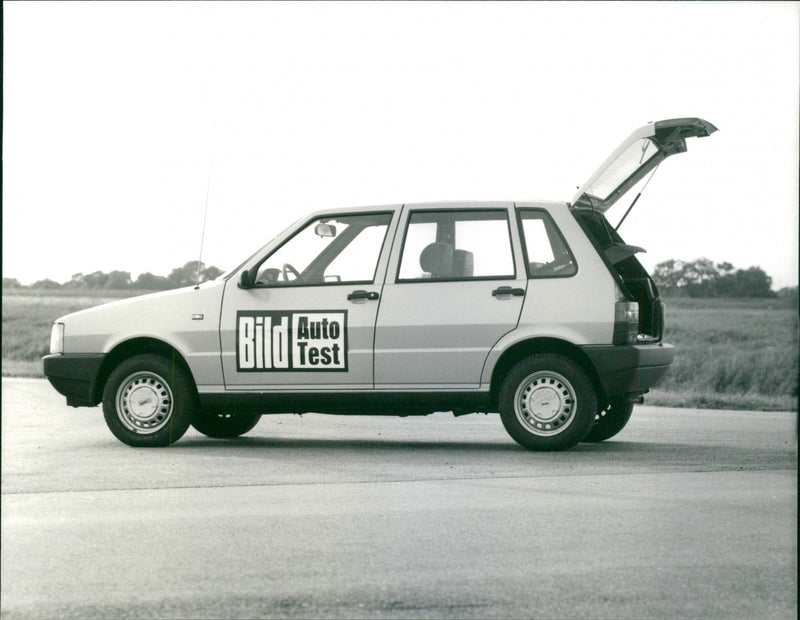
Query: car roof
(443, 204)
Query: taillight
(626, 320)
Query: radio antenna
(203, 232)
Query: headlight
(57, 338)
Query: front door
(306, 316)
(451, 293)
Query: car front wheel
(148, 401)
(547, 402)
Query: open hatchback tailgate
(642, 151)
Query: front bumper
(631, 369)
(74, 376)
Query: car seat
(463, 264)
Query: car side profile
(538, 311)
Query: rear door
(453, 289)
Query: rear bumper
(74, 376)
(630, 369)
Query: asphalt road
(685, 514)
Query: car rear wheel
(148, 401)
(610, 422)
(222, 425)
(547, 402)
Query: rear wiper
(637, 195)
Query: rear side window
(546, 252)
(456, 245)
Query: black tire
(547, 402)
(220, 425)
(148, 401)
(610, 422)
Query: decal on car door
(291, 340)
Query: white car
(535, 310)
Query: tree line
(705, 278)
(178, 277)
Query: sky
(123, 121)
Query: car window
(456, 245)
(546, 252)
(328, 250)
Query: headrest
(437, 259)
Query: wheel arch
(532, 346)
(130, 348)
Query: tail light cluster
(626, 320)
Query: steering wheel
(560, 263)
(553, 267)
(287, 269)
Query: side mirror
(325, 230)
(246, 279)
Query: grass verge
(22, 368)
(714, 400)
(731, 354)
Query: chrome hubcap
(545, 403)
(144, 402)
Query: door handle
(361, 294)
(507, 290)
